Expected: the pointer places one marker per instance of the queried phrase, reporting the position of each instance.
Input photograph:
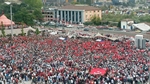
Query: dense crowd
(70, 61)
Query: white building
(77, 13)
(127, 24)
(140, 41)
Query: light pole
(9, 3)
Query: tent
(142, 26)
(30, 28)
(61, 38)
(112, 38)
(98, 71)
(99, 35)
(5, 21)
(99, 40)
(53, 33)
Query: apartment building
(49, 14)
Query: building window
(76, 16)
(69, 15)
(72, 15)
(51, 12)
(80, 14)
(62, 14)
(59, 12)
(66, 15)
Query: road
(131, 34)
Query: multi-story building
(119, 1)
(77, 13)
(49, 14)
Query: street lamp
(9, 3)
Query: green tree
(37, 32)
(88, 23)
(33, 4)
(22, 31)
(119, 24)
(75, 3)
(2, 1)
(3, 30)
(38, 14)
(96, 20)
(26, 12)
(24, 16)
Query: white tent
(53, 33)
(30, 28)
(99, 35)
(99, 40)
(61, 38)
(142, 26)
(112, 38)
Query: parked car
(86, 29)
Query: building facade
(77, 13)
(127, 24)
(49, 14)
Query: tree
(33, 4)
(38, 14)
(24, 16)
(119, 24)
(22, 31)
(3, 30)
(96, 20)
(37, 32)
(75, 3)
(2, 1)
(88, 23)
(26, 12)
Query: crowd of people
(50, 60)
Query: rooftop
(142, 26)
(79, 7)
